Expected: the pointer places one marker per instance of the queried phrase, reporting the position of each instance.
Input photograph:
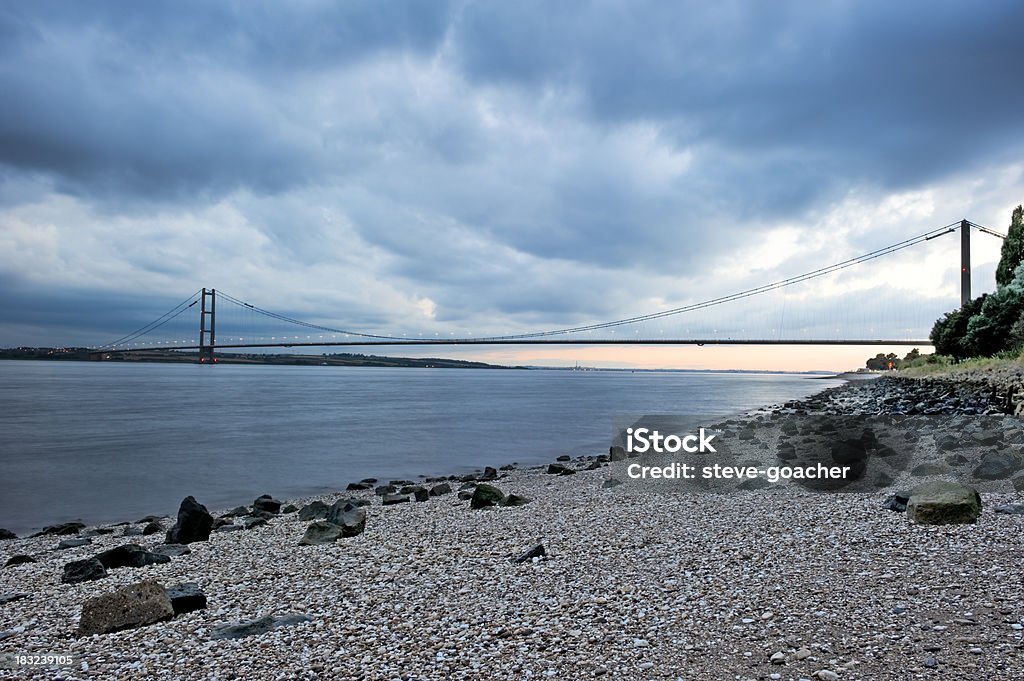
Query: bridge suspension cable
(813, 274)
(156, 323)
(739, 295)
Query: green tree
(989, 331)
(912, 355)
(949, 334)
(1013, 248)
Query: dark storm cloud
(479, 163)
(175, 98)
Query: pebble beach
(636, 581)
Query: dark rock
(347, 515)
(290, 508)
(266, 503)
(7, 534)
(438, 490)
(997, 466)
(78, 571)
(132, 606)
(469, 477)
(753, 484)
(186, 597)
(320, 532)
(19, 559)
(956, 459)
(399, 483)
(230, 527)
(11, 597)
(384, 490)
(257, 626)
(194, 523)
(171, 549)
(130, 555)
(560, 469)
(369, 481)
(929, 469)
(315, 510)
(536, 552)
(237, 511)
(610, 482)
(943, 503)
(419, 493)
(507, 467)
(264, 515)
(489, 474)
(149, 519)
(514, 500)
(152, 528)
(564, 457)
(73, 543)
(593, 466)
(616, 453)
(250, 523)
(485, 495)
(465, 494)
(1010, 509)
(221, 522)
(897, 502)
(61, 530)
(358, 486)
(391, 499)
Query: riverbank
(638, 580)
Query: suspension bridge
(207, 310)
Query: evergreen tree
(1013, 249)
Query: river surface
(105, 442)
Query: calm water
(109, 442)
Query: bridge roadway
(536, 341)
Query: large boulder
(560, 469)
(486, 495)
(130, 555)
(616, 453)
(132, 606)
(438, 490)
(7, 534)
(78, 571)
(194, 523)
(944, 503)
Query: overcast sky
(486, 167)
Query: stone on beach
(485, 495)
(943, 503)
(186, 597)
(62, 529)
(194, 523)
(7, 534)
(313, 511)
(257, 626)
(73, 543)
(131, 606)
(130, 555)
(535, 552)
(391, 499)
(172, 550)
(266, 503)
(86, 570)
(560, 469)
(514, 500)
(438, 490)
(19, 559)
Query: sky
(479, 168)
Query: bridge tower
(208, 326)
(965, 262)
